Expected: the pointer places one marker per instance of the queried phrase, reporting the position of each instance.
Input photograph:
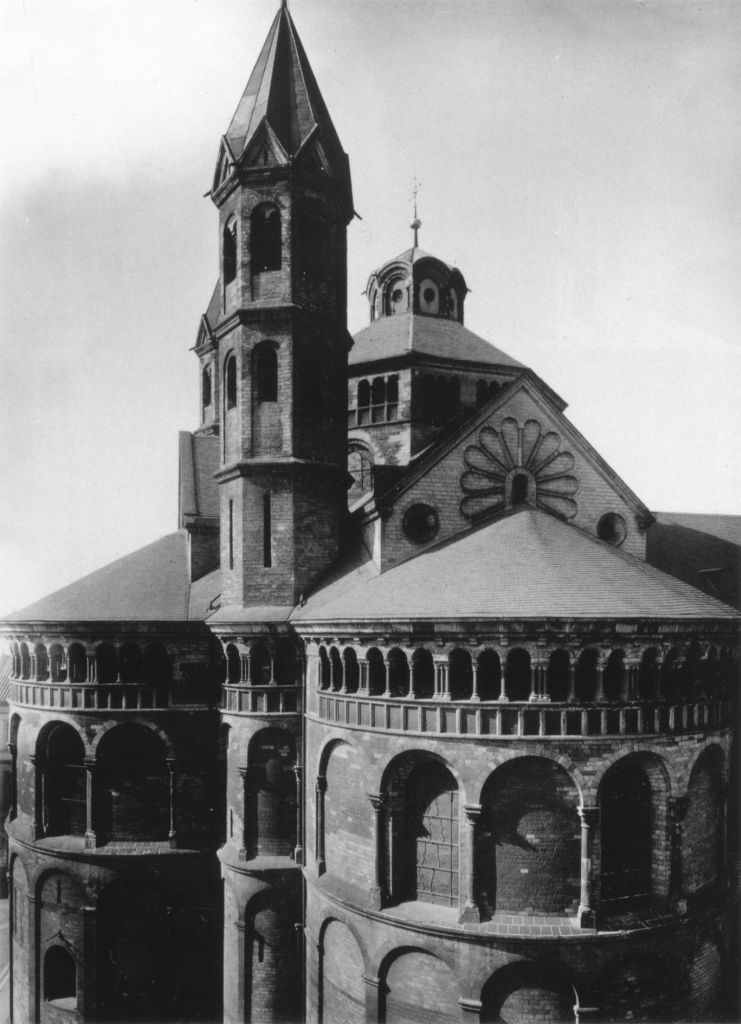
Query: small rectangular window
(267, 552)
(231, 534)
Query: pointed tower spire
(282, 103)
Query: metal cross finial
(416, 223)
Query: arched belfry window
(265, 240)
(230, 382)
(266, 373)
(230, 251)
(206, 386)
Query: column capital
(472, 812)
(589, 816)
(89, 763)
(470, 1005)
(298, 771)
(377, 800)
(243, 769)
(678, 807)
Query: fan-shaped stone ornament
(518, 451)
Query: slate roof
(282, 90)
(702, 550)
(727, 528)
(404, 333)
(6, 668)
(199, 460)
(526, 564)
(151, 584)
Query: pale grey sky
(579, 162)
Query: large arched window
(230, 382)
(60, 978)
(265, 240)
(64, 792)
(626, 820)
(265, 368)
(230, 251)
(432, 820)
(271, 796)
(132, 792)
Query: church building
(408, 721)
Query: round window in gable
(612, 528)
(420, 523)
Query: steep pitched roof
(523, 565)
(282, 97)
(703, 550)
(726, 528)
(405, 333)
(151, 584)
(199, 460)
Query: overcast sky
(579, 162)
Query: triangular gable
(313, 156)
(519, 447)
(264, 148)
(224, 165)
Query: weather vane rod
(416, 223)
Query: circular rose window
(612, 528)
(420, 523)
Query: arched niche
(418, 986)
(271, 795)
(132, 786)
(528, 849)
(342, 972)
(527, 993)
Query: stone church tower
(275, 338)
(405, 722)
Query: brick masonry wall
(702, 826)
(667, 973)
(441, 488)
(529, 840)
(419, 987)
(342, 988)
(347, 818)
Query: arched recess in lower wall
(702, 829)
(272, 989)
(342, 990)
(528, 993)
(418, 986)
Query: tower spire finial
(416, 223)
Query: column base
(377, 897)
(90, 841)
(587, 917)
(470, 914)
(173, 841)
